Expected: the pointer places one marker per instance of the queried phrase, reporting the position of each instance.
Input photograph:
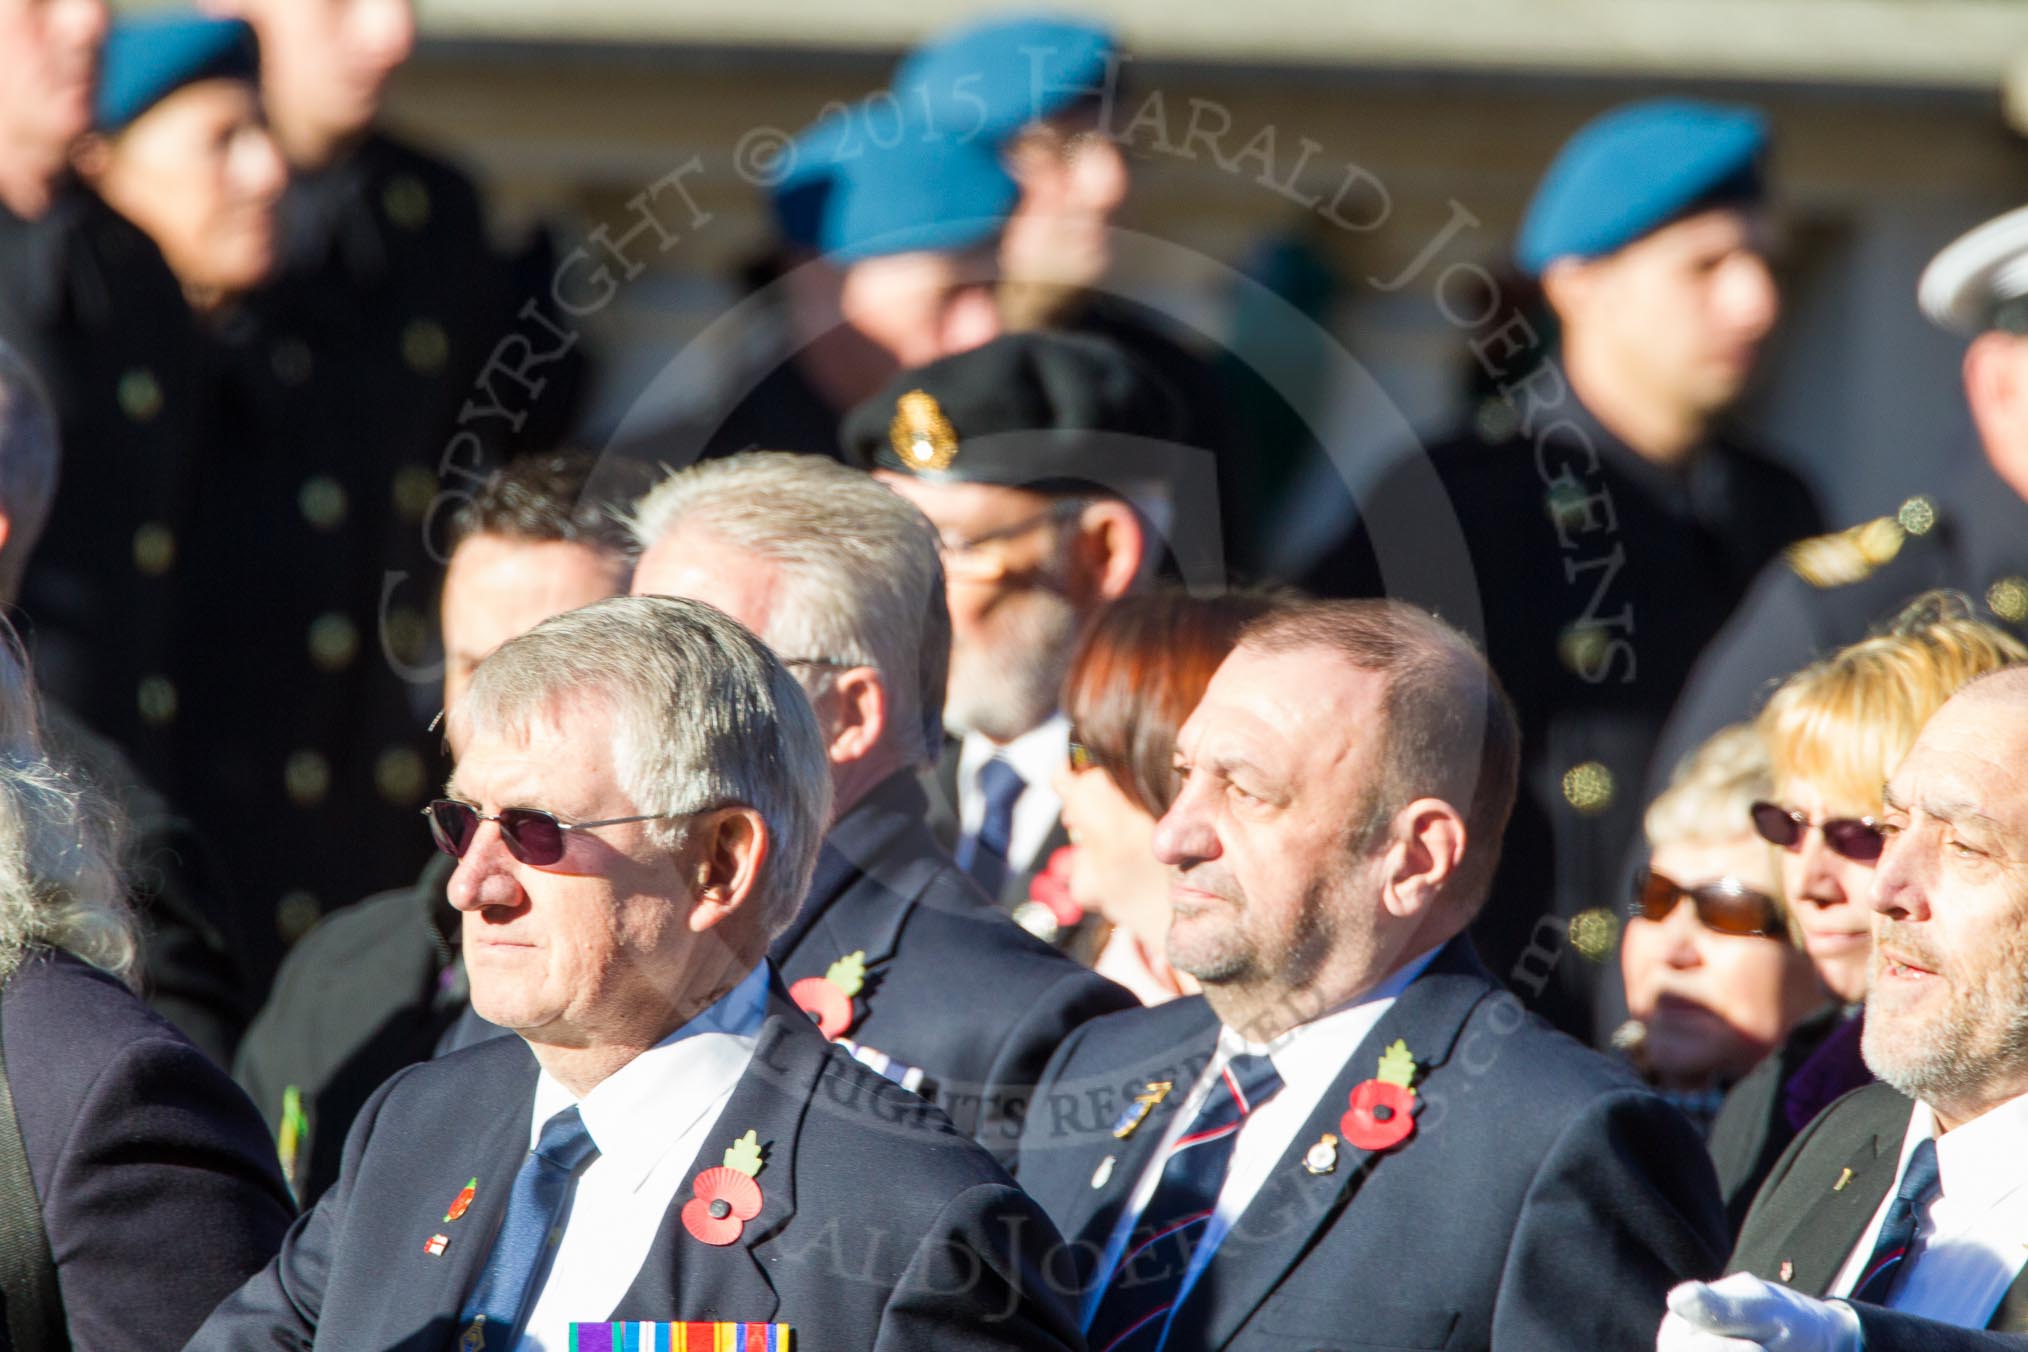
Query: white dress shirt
(1308, 1058)
(1035, 755)
(1972, 1238)
(648, 1119)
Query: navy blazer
(953, 987)
(159, 1187)
(1546, 1200)
(880, 1226)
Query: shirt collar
(1981, 1159)
(635, 1114)
(1035, 754)
(1318, 1049)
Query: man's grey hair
(704, 717)
(29, 453)
(60, 885)
(862, 581)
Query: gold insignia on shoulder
(1849, 555)
(920, 433)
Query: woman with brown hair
(1139, 670)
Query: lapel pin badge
(1143, 1104)
(1844, 1177)
(436, 1245)
(462, 1202)
(1381, 1113)
(1787, 1270)
(828, 998)
(1104, 1173)
(726, 1197)
(1322, 1157)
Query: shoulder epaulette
(1846, 556)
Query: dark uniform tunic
(1599, 576)
(1971, 537)
(355, 376)
(87, 301)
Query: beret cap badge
(922, 436)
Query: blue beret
(920, 192)
(799, 197)
(1635, 169)
(151, 56)
(990, 78)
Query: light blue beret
(1636, 168)
(989, 78)
(150, 56)
(865, 183)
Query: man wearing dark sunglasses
(665, 1138)
(381, 985)
(1912, 1194)
(938, 990)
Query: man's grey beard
(1980, 1040)
(1011, 685)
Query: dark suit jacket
(941, 788)
(1752, 1129)
(159, 1189)
(880, 1225)
(953, 986)
(1545, 1201)
(1808, 1217)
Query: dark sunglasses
(532, 835)
(1081, 758)
(1727, 906)
(1856, 838)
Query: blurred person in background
(91, 303)
(1970, 535)
(1046, 92)
(49, 52)
(394, 337)
(1613, 524)
(888, 238)
(382, 985)
(1713, 981)
(191, 162)
(140, 1189)
(1137, 673)
(897, 953)
(1834, 732)
(1039, 458)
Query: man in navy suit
(638, 802)
(938, 989)
(1355, 1138)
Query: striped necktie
(504, 1295)
(1132, 1314)
(1897, 1232)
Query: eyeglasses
(1856, 838)
(1082, 758)
(983, 557)
(1727, 906)
(532, 835)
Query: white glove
(1742, 1313)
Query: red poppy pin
(1382, 1112)
(828, 998)
(726, 1197)
(462, 1202)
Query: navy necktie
(529, 1233)
(1897, 1232)
(1132, 1315)
(984, 853)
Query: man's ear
(854, 713)
(724, 854)
(1427, 846)
(1112, 544)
